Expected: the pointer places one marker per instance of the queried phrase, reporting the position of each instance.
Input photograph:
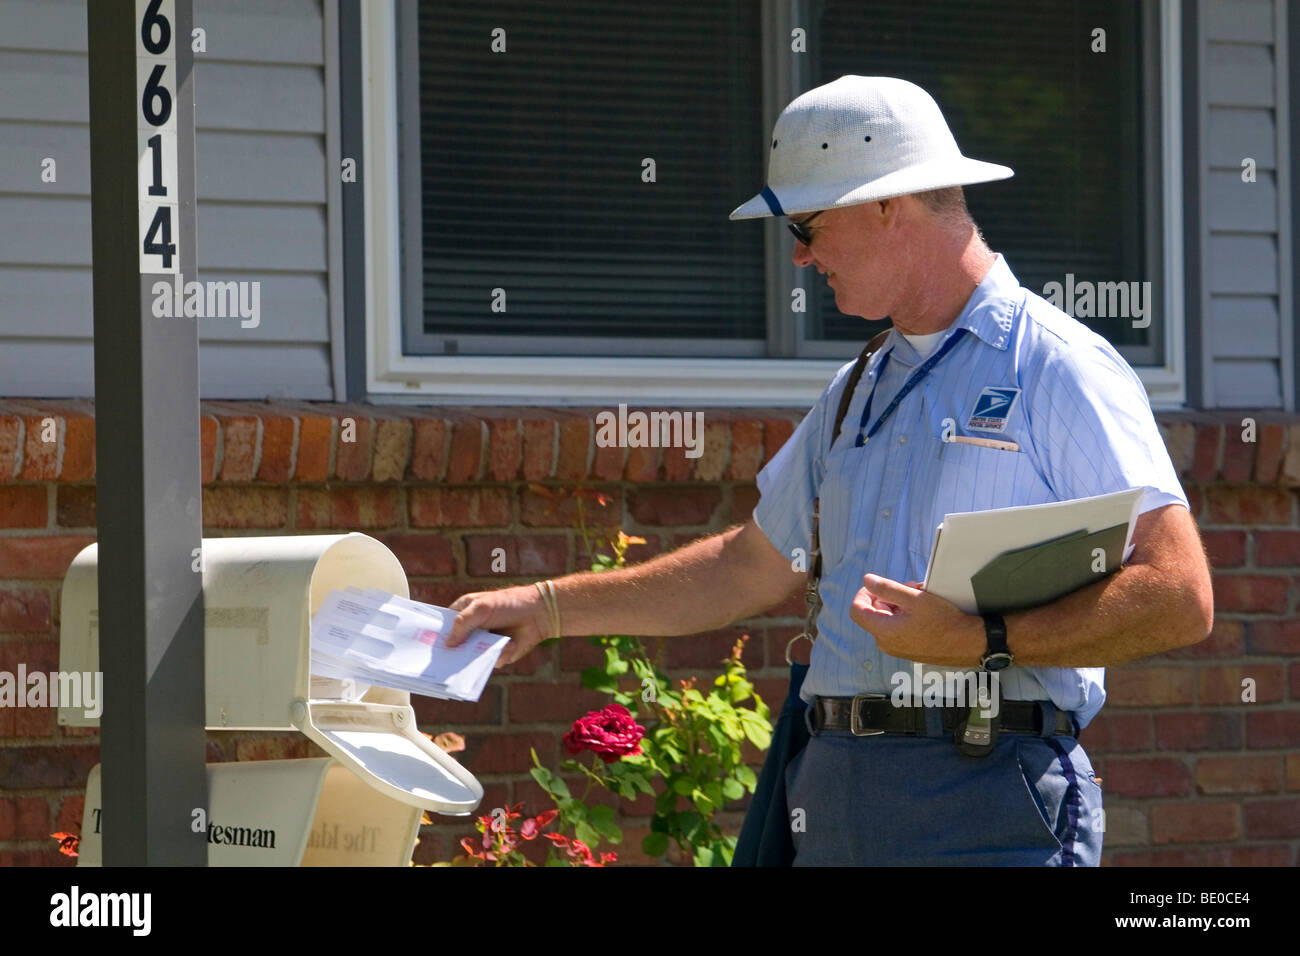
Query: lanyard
(911, 383)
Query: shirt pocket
(958, 477)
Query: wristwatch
(997, 657)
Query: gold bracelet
(555, 609)
(549, 600)
(546, 599)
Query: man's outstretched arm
(702, 586)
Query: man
(869, 175)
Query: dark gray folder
(1044, 572)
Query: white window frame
(394, 377)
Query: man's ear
(888, 211)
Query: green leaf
(717, 739)
(740, 691)
(655, 844)
(614, 665)
(687, 822)
(595, 678)
(732, 789)
(703, 856)
(602, 818)
(560, 788)
(585, 832)
(759, 735)
(682, 785)
(702, 803)
(747, 776)
(642, 668)
(543, 777)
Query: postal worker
(869, 176)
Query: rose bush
(655, 731)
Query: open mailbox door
(259, 597)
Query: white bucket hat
(858, 139)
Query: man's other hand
(915, 625)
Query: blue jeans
(893, 800)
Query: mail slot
(259, 596)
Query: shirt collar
(988, 312)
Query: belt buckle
(855, 718)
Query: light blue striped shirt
(1078, 411)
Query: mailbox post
(150, 625)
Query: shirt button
(886, 513)
(902, 440)
(869, 666)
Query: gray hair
(947, 204)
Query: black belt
(869, 714)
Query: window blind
(532, 172)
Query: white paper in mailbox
(383, 639)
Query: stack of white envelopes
(374, 637)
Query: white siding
(261, 184)
(1244, 285)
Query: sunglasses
(799, 232)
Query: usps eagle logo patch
(992, 409)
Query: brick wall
(1192, 775)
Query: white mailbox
(259, 596)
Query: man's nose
(802, 255)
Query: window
(513, 236)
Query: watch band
(997, 656)
(995, 630)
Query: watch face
(997, 661)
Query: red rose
(610, 732)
